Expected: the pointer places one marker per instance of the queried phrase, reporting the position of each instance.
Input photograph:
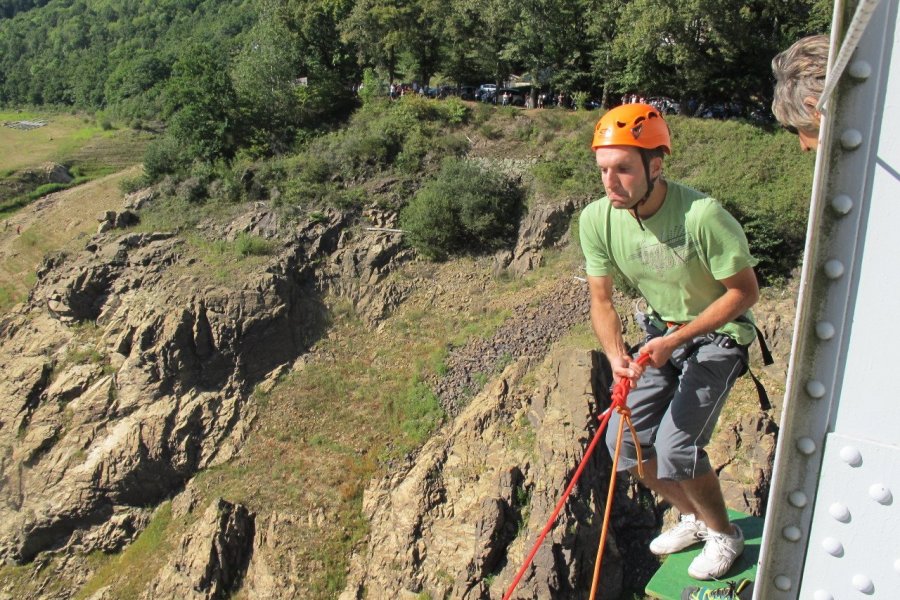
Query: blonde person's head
(799, 78)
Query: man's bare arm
(608, 328)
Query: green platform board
(672, 577)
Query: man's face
(809, 140)
(623, 175)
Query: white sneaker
(688, 532)
(719, 553)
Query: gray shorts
(675, 408)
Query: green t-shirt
(676, 262)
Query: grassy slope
(66, 220)
(102, 157)
(77, 140)
(323, 432)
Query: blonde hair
(800, 74)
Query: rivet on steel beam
(863, 584)
(851, 455)
(834, 269)
(824, 330)
(798, 499)
(782, 583)
(880, 493)
(833, 547)
(822, 595)
(792, 533)
(839, 512)
(842, 204)
(851, 139)
(815, 389)
(806, 445)
(860, 69)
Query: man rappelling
(690, 260)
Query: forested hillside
(276, 67)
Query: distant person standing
(799, 80)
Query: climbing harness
(724, 341)
(618, 403)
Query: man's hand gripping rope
(619, 398)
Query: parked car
(467, 92)
(667, 106)
(510, 96)
(486, 92)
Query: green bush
(465, 208)
(372, 87)
(758, 174)
(455, 111)
(164, 156)
(579, 99)
(252, 245)
(130, 185)
(569, 171)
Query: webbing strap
(760, 390)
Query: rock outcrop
(126, 372)
(544, 226)
(30, 179)
(211, 559)
(459, 521)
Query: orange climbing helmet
(638, 125)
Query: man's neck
(655, 201)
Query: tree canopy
(284, 65)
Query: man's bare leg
(705, 494)
(701, 497)
(669, 489)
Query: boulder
(544, 226)
(211, 558)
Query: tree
(601, 30)
(550, 42)
(494, 24)
(422, 38)
(376, 28)
(327, 62)
(265, 79)
(716, 50)
(201, 104)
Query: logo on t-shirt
(675, 250)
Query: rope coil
(618, 403)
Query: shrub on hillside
(570, 171)
(465, 208)
(758, 174)
(164, 156)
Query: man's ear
(810, 103)
(656, 167)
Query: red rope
(619, 396)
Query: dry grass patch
(60, 221)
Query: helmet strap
(650, 185)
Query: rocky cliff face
(128, 371)
(459, 521)
(124, 375)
